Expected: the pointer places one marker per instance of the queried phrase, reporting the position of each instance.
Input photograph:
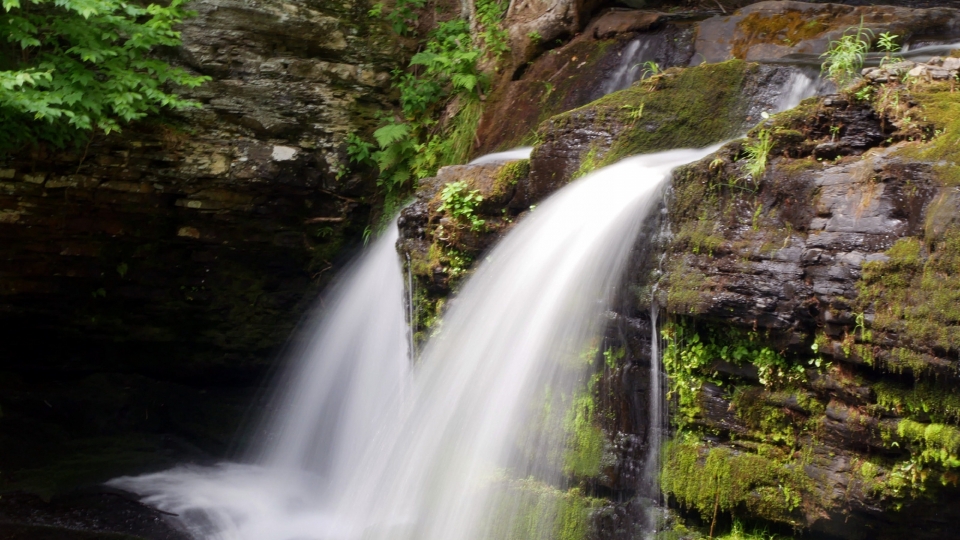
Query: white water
(343, 388)
(656, 412)
(356, 457)
(509, 155)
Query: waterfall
(343, 386)
(656, 421)
(364, 448)
(800, 85)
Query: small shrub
(887, 43)
(844, 58)
(757, 153)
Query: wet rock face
(785, 256)
(304, 72)
(548, 19)
(84, 516)
(204, 232)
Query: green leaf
(390, 134)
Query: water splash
(487, 402)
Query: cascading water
(656, 418)
(352, 458)
(801, 84)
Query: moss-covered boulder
(680, 108)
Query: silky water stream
(364, 445)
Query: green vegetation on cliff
(71, 67)
(783, 452)
(530, 510)
(441, 97)
(711, 479)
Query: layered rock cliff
(151, 278)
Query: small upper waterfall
(630, 68)
(657, 412)
(362, 448)
(800, 85)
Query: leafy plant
(757, 213)
(492, 34)
(887, 43)
(461, 203)
(649, 69)
(844, 57)
(864, 94)
(690, 353)
(634, 112)
(860, 324)
(73, 66)
(403, 17)
(757, 153)
(443, 80)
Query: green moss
(682, 108)
(739, 532)
(766, 415)
(531, 510)
(699, 237)
(684, 286)
(427, 311)
(708, 479)
(905, 253)
(938, 401)
(588, 162)
(938, 107)
(586, 445)
(508, 175)
(932, 443)
(795, 167)
(692, 193)
(916, 296)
